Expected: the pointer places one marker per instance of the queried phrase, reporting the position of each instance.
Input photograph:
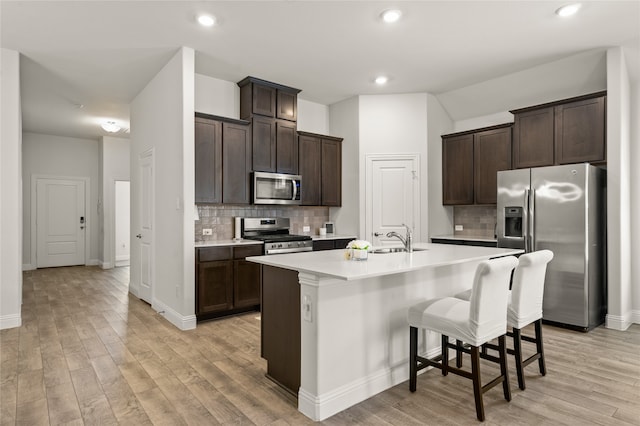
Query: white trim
(187, 322)
(616, 322)
(28, 267)
(635, 316)
(10, 321)
(106, 265)
(417, 206)
(34, 214)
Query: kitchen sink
(386, 250)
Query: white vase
(359, 254)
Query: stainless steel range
(275, 234)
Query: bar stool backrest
(528, 288)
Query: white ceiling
(84, 61)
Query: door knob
(377, 234)
(139, 236)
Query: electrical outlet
(207, 231)
(459, 228)
(306, 308)
(306, 229)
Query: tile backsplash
(220, 218)
(477, 221)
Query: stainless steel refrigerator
(563, 209)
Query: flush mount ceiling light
(391, 15)
(381, 80)
(110, 126)
(568, 10)
(206, 20)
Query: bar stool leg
(458, 353)
(539, 347)
(517, 351)
(413, 361)
(445, 355)
(477, 385)
(502, 347)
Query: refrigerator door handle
(532, 220)
(525, 222)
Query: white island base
(354, 330)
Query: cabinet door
(246, 283)
(457, 170)
(215, 286)
(533, 133)
(264, 100)
(287, 105)
(580, 131)
(264, 144)
(320, 245)
(342, 243)
(236, 163)
(208, 161)
(287, 147)
(492, 153)
(309, 169)
(331, 174)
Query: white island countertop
(332, 263)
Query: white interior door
(61, 222)
(395, 197)
(145, 234)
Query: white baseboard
(93, 262)
(182, 322)
(10, 321)
(323, 406)
(616, 322)
(122, 257)
(106, 265)
(28, 267)
(635, 317)
(123, 263)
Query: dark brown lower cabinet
(226, 283)
(333, 244)
(280, 319)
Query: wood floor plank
(88, 352)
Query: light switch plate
(306, 229)
(459, 228)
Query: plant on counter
(358, 250)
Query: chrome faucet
(407, 241)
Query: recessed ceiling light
(110, 126)
(568, 10)
(206, 20)
(391, 15)
(382, 79)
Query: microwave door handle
(295, 189)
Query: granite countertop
(465, 238)
(222, 243)
(332, 263)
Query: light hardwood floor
(90, 353)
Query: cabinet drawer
(208, 254)
(245, 251)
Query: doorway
(122, 210)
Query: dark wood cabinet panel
(208, 161)
(215, 286)
(236, 163)
(264, 100)
(246, 283)
(286, 147)
(320, 245)
(309, 168)
(331, 173)
(580, 131)
(533, 138)
(492, 153)
(264, 144)
(457, 170)
(280, 331)
(287, 105)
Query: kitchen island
(334, 331)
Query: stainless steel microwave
(276, 188)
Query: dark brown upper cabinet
(562, 132)
(222, 160)
(320, 165)
(286, 147)
(269, 99)
(470, 162)
(264, 144)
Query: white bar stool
(475, 322)
(525, 307)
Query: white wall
(10, 191)
(162, 119)
(313, 117)
(344, 120)
(618, 191)
(635, 200)
(438, 124)
(115, 165)
(122, 208)
(217, 97)
(395, 124)
(483, 121)
(49, 155)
